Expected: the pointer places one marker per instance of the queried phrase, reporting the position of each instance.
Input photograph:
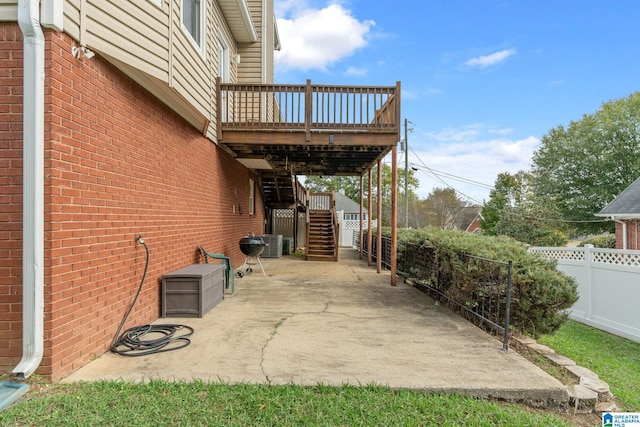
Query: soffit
(238, 17)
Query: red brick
(132, 166)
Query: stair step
(321, 258)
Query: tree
(583, 167)
(514, 210)
(508, 191)
(536, 222)
(443, 209)
(350, 187)
(412, 185)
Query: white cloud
(487, 60)
(504, 131)
(472, 152)
(356, 71)
(315, 38)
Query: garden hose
(148, 339)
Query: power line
(452, 176)
(444, 182)
(459, 178)
(568, 221)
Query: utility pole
(406, 172)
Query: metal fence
(482, 294)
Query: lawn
(159, 403)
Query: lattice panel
(604, 256)
(283, 213)
(561, 253)
(618, 258)
(352, 224)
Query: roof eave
(235, 10)
(619, 216)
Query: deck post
(369, 222)
(379, 207)
(218, 108)
(394, 213)
(308, 105)
(398, 108)
(361, 215)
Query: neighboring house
(349, 218)
(625, 211)
(350, 208)
(468, 219)
(111, 126)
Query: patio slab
(336, 323)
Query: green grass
(159, 403)
(616, 360)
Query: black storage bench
(192, 291)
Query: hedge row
(540, 293)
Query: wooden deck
(310, 129)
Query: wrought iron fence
(482, 295)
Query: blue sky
(482, 81)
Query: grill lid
(252, 245)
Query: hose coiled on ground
(148, 339)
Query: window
(192, 16)
(223, 72)
(223, 59)
(252, 193)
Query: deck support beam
(379, 210)
(360, 237)
(394, 214)
(369, 222)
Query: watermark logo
(621, 419)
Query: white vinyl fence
(608, 286)
(348, 227)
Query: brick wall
(119, 163)
(633, 234)
(10, 195)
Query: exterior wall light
(81, 52)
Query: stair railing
(334, 224)
(307, 215)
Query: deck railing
(307, 108)
(300, 192)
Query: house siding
(8, 10)
(136, 33)
(250, 69)
(150, 45)
(118, 163)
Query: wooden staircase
(322, 233)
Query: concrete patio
(336, 323)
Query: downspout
(624, 231)
(32, 189)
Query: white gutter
(245, 15)
(32, 190)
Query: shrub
(606, 240)
(540, 293)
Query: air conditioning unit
(273, 249)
